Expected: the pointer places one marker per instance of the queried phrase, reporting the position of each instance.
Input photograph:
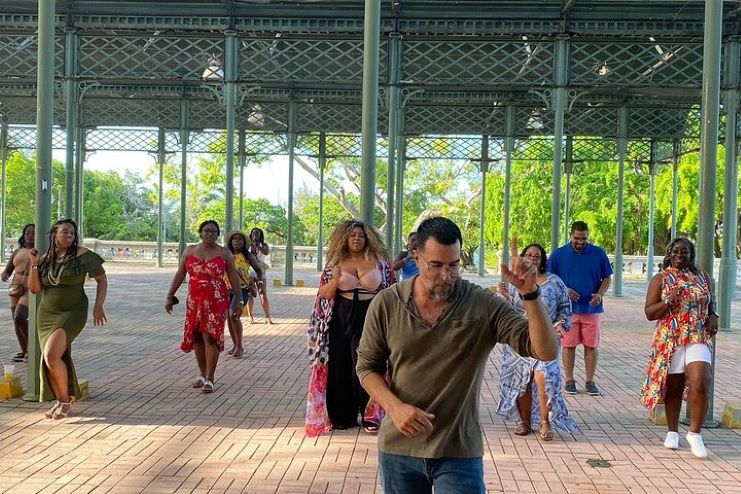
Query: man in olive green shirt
(436, 332)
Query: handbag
(16, 289)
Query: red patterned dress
(207, 303)
(683, 325)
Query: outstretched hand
(521, 273)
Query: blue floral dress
(517, 370)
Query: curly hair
(337, 250)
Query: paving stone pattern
(146, 430)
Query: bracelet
(170, 295)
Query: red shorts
(585, 330)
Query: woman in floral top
(680, 299)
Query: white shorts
(685, 354)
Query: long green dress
(65, 306)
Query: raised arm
(521, 274)
(329, 289)
(401, 259)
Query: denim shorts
(233, 299)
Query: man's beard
(440, 296)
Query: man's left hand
(522, 273)
(596, 299)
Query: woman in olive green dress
(60, 274)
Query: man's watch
(532, 295)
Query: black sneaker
(570, 387)
(592, 389)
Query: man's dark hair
(579, 226)
(441, 229)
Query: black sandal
(370, 427)
(20, 357)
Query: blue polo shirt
(409, 269)
(581, 271)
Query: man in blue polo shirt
(586, 271)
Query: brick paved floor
(145, 430)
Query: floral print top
(682, 325)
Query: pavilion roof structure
(462, 63)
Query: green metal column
(322, 166)
(184, 138)
(44, 123)
(677, 151)
(80, 157)
(231, 74)
(401, 165)
(617, 285)
(242, 162)
(3, 186)
(651, 210)
(394, 100)
(161, 158)
(568, 168)
(708, 160)
(484, 168)
(509, 147)
(371, 46)
(727, 284)
(71, 49)
(561, 81)
(291, 150)
(709, 133)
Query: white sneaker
(698, 447)
(672, 440)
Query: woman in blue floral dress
(541, 405)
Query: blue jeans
(410, 475)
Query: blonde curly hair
(337, 250)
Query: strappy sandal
(238, 354)
(19, 357)
(208, 387)
(523, 428)
(50, 413)
(370, 427)
(198, 383)
(547, 434)
(61, 412)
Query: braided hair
(51, 253)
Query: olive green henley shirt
(438, 368)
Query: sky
(269, 180)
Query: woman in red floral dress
(207, 301)
(680, 299)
